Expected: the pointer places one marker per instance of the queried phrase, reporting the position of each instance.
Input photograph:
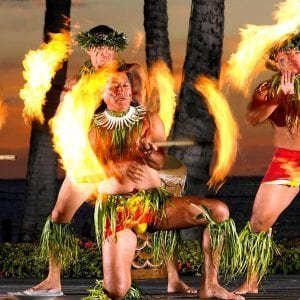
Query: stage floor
(273, 287)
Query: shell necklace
(117, 120)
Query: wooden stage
(273, 287)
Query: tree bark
(41, 179)
(156, 29)
(203, 57)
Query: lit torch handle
(183, 143)
(8, 157)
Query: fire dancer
(102, 44)
(123, 135)
(131, 199)
(276, 100)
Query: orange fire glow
(256, 41)
(138, 41)
(227, 131)
(71, 125)
(162, 81)
(3, 113)
(40, 67)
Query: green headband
(116, 40)
(292, 42)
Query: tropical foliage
(21, 260)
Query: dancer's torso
(101, 140)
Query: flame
(162, 81)
(286, 11)
(3, 113)
(138, 41)
(71, 125)
(40, 67)
(256, 41)
(293, 171)
(227, 130)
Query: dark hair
(125, 68)
(101, 29)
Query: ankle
(54, 280)
(173, 278)
(252, 284)
(209, 281)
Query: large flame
(40, 67)
(287, 10)
(256, 41)
(71, 125)
(3, 113)
(227, 131)
(162, 81)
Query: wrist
(146, 156)
(280, 97)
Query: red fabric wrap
(284, 166)
(126, 220)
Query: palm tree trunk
(203, 56)
(156, 29)
(41, 179)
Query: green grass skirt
(257, 251)
(59, 243)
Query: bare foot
(216, 291)
(178, 286)
(247, 287)
(47, 284)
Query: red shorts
(284, 168)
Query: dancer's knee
(260, 223)
(220, 211)
(117, 290)
(59, 216)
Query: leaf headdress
(93, 38)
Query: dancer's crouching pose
(123, 136)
